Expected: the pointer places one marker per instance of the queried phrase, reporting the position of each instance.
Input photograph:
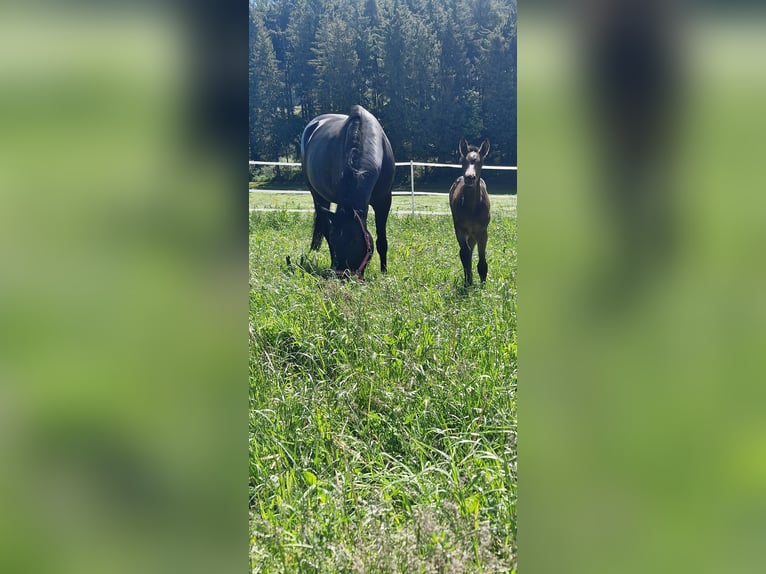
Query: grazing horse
(469, 203)
(348, 160)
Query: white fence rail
(412, 193)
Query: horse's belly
(323, 190)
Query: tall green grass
(383, 412)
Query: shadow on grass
(463, 291)
(309, 266)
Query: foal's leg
(466, 253)
(482, 266)
(382, 207)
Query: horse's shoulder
(454, 191)
(323, 119)
(320, 128)
(330, 116)
(484, 192)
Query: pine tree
(430, 70)
(498, 88)
(336, 63)
(265, 88)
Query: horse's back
(347, 158)
(376, 153)
(319, 157)
(325, 121)
(387, 169)
(319, 132)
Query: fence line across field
(410, 163)
(393, 212)
(307, 192)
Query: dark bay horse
(469, 203)
(348, 160)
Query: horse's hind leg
(482, 266)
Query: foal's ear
(463, 147)
(484, 149)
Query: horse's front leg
(321, 221)
(381, 218)
(482, 266)
(382, 244)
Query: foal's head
(472, 158)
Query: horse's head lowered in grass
(349, 240)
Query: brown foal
(469, 203)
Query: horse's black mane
(354, 140)
(355, 149)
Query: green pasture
(383, 412)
